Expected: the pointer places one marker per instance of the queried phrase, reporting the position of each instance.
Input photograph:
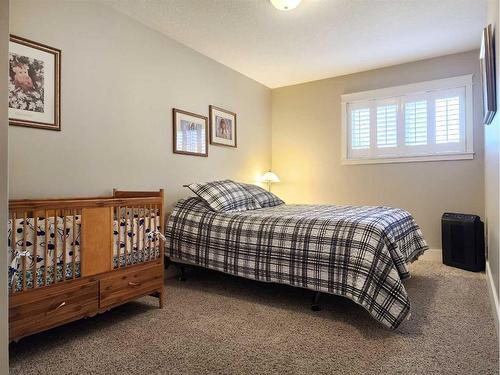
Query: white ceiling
(319, 39)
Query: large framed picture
(222, 127)
(190, 133)
(487, 64)
(34, 84)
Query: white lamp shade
(270, 177)
(285, 4)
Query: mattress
(358, 252)
(130, 249)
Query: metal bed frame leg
(182, 272)
(166, 262)
(315, 304)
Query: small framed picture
(222, 127)
(487, 65)
(190, 133)
(34, 84)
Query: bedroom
(284, 81)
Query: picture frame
(487, 66)
(223, 127)
(34, 85)
(190, 133)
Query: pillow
(263, 197)
(225, 195)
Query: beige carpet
(217, 324)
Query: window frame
(398, 94)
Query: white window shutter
(360, 128)
(415, 123)
(448, 120)
(387, 125)
(422, 121)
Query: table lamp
(269, 178)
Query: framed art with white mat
(222, 127)
(34, 84)
(189, 133)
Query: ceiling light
(285, 4)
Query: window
(422, 121)
(360, 119)
(386, 125)
(448, 120)
(416, 123)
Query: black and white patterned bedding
(360, 253)
(225, 195)
(131, 247)
(263, 197)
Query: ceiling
(319, 39)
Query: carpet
(214, 323)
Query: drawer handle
(62, 304)
(131, 283)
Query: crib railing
(39, 230)
(57, 240)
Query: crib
(74, 258)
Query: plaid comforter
(360, 253)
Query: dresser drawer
(126, 284)
(44, 308)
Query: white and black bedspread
(360, 253)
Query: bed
(358, 252)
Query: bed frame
(181, 265)
(103, 282)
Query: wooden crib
(74, 258)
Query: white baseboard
(432, 255)
(493, 297)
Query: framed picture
(222, 127)
(487, 62)
(190, 133)
(34, 84)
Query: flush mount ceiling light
(285, 4)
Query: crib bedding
(358, 252)
(130, 249)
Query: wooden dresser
(41, 309)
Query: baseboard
(493, 297)
(432, 255)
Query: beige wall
(491, 165)
(306, 121)
(4, 38)
(120, 81)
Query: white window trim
(414, 88)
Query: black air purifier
(463, 241)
